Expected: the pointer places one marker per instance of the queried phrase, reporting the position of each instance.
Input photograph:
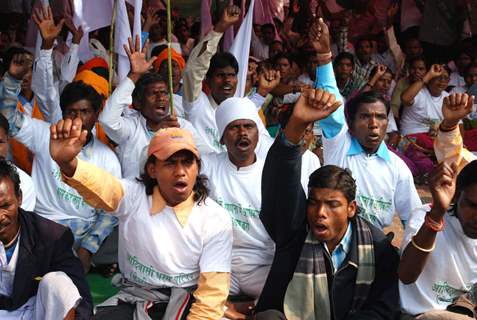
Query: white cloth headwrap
(233, 109)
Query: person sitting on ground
(417, 71)
(190, 277)
(353, 139)
(421, 115)
(380, 81)
(438, 262)
(343, 66)
(330, 263)
(26, 184)
(56, 200)
(220, 72)
(40, 276)
(132, 129)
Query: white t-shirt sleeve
(35, 135)
(406, 198)
(335, 149)
(133, 193)
(416, 220)
(28, 191)
(217, 251)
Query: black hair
(336, 178)
(267, 26)
(419, 58)
(142, 83)
(8, 56)
(158, 49)
(200, 189)
(78, 90)
(222, 60)
(4, 123)
(8, 170)
(467, 177)
(282, 55)
(363, 39)
(342, 56)
(352, 106)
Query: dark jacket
(45, 246)
(284, 217)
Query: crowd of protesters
(271, 205)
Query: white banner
(241, 49)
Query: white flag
(241, 49)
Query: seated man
(235, 181)
(174, 242)
(439, 258)
(355, 140)
(329, 262)
(40, 276)
(132, 129)
(56, 200)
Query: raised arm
(99, 188)
(325, 77)
(448, 144)
(414, 256)
(43, 83)
(9, 90)
(283, 201)
(111, 118)
(199, 58)
(407, 97)
(69, 64)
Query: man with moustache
(40, 276)
(355, 140)
(132, 129)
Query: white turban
(233, 109)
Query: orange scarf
(23, 157)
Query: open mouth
(227, 89)
(180, 187)
(320, 230)
(373, 137)
(243, 144)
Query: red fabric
(470, 139)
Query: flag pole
(169, 57)
(111, 46)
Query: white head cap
(233, 109)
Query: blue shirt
(342, 249)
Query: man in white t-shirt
(220, 72)
(439, 256)
(235, 183)
(55, 199)
(384, 182)
(132, 129)
(174, 241)
(26, 184)
(235, 178)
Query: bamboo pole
(169, 57)
(111, 46)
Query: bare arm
(414, 257)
